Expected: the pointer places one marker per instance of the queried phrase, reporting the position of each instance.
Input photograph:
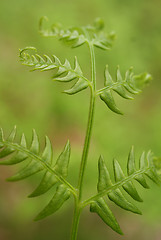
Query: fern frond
(63, 72)
(130, 83)
(75, 37)
(53, 173)
(106, 188)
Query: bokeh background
(31, 100)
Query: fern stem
(93, 65)
(76, 217)
(86, 144)
(77, 210)
(90, 123)
(78, 204)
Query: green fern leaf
(131, 83)
(12, 135)
(47, 154)
(103, 176)
(100, 45)
(61, 195)
(62, 163)
(69, 77)
(143, 163)
(119, 199)
(142, 181)
(77, 87)
(109, 101)
(35, 146)
(131, 162)
(47, 182)
(100, 207)
(27, 171)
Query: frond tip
(106, 188)
(77, 36)
(62, 72)
(53, 174)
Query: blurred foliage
(32, 100)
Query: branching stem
(86, 144)
(90, 123)
(78, 204)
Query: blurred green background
(32, 100)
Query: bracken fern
(55, 174)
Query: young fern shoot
(55, 174)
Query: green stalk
(76, 217)
(78, 209)
(90, 122)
